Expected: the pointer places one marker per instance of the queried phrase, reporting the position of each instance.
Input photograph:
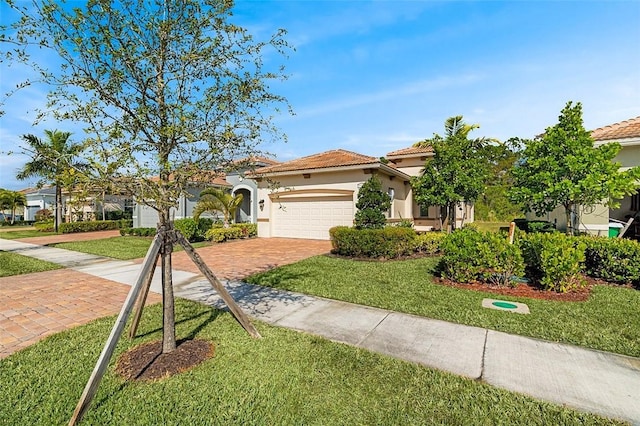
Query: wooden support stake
(626, 227)
(101, 366)
(239, 315)
(142, 299)
(512, 231)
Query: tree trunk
(567, 212)
(58, 207)
(168, 306)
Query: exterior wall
(629, 156)
(411, 166)
(328, 184)
(593, 220)
(38, 200)
(248, 212)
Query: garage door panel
(311, 217)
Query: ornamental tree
(372, 203)
(456, 173)
(166, 88)
(564, 168)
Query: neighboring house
(305, 197)
(596, 220)
(145, 216)
(38, 199)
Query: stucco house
(597, 220)
(38, 199)
(305, 197)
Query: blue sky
(373, 77)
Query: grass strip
(609, 320)
(285, 378)
(24, 233)
(123, 248)
(17, 264)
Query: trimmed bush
(248, 230)
(428, 242)
(388, 243)
(554, 260)
(45, 226)
(102, 225)
(613, 259)
(471, 255)
(188, 227)
(219, 235)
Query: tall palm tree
(49, 160)
(12, 200)
(218, 200)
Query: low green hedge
(219, 235)
(471, 255)
(101, 225)
(45, 226)
(613, 259)
(428, 242)
(554, 260)
(388, 243)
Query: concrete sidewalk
(589, 380)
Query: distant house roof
(627, 129)
(412, 151)
(203, 176)
(328, 161)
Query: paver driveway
(33, 306)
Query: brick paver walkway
(33, 306)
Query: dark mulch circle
(147, 362)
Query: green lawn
(609, 320)
(24, 233)
(16, 264)
(124, 248)
(490, 226)
(285, 378)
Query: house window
(635, 201)
(424, 211)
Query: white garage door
(310, 217)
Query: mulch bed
(147, 362)
(528, 290)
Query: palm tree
(218, 200)
(49, 160)
(12, 200)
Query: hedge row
(388, 243)
(100, 225)
(219, 234)
(554, 261)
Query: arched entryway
(245, 213)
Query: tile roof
(622, 130)
(323, 160)
(411, 150)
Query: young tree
(372, 203)
(50, 160)
(563, 168)
(456, 173)
(218, 200)
(165, 87)
(494, 202)
(12, 200)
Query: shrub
(388, 243)
(372, 203)
(219, 235)
(470, 255)
(43, 215)
(500, 261)
(613, 259)
(428, 242)
(554, 260)
(204, 224)
(102, 225)
(188, 227)
(247, 229)
(45, 226)
(404, 223)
